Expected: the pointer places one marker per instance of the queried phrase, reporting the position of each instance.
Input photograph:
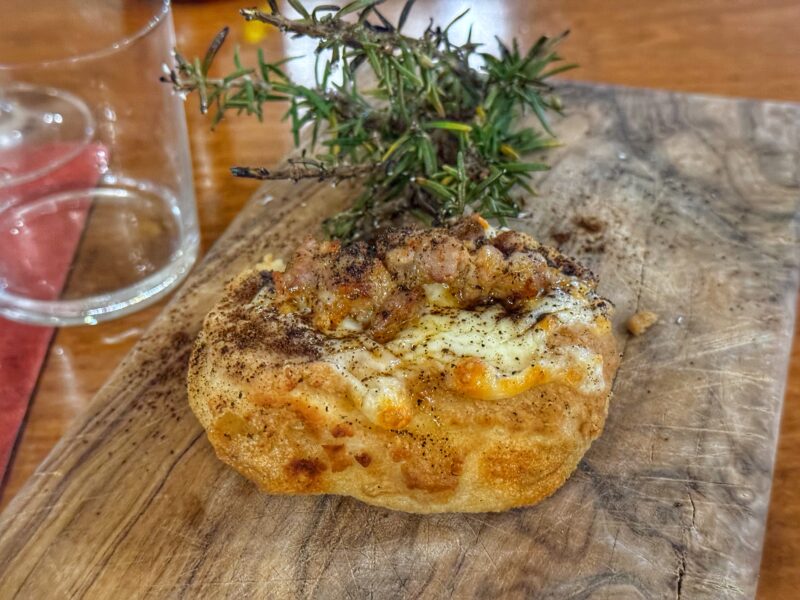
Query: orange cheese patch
(473, 378)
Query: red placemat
(46, 257)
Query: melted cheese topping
(486, 354)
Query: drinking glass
(97, 208)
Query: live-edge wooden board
(699, 201)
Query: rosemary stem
(297, 171)
(435, 129)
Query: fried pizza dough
(456, 369)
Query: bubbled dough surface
(277, 410)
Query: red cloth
(43, 259)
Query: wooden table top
(745, 48)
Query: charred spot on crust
(337, 456)
(432, 476)
(309, 468)
(363, 459)
(342, 430)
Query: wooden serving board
(698, 199)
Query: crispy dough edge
(202, 396)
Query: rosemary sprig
(302, 168)
(429, 133)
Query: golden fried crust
(281, 412)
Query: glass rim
(157, 18)
(60, 161)
(97, 308)
(94, 308)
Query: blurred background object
(97, 212)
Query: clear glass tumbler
(97, 208)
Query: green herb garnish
(435, 131)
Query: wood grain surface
(699, 202)
(744, 48)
